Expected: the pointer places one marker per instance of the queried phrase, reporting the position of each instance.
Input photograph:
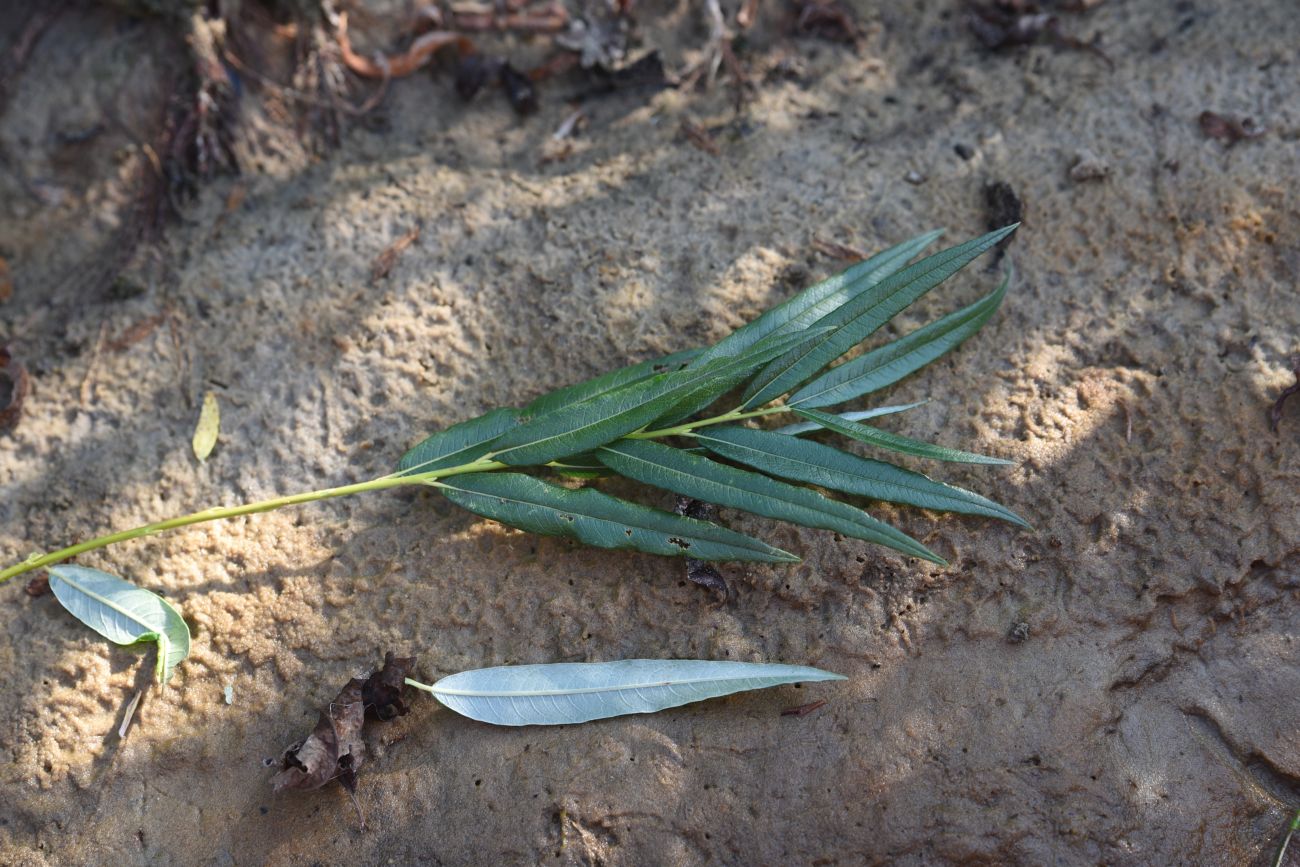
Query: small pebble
(229, 693)
(1088, 167)
(914, 177)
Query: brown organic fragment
(835, 250)
(804, 709)
(519, 88)
(385, 261)
(6, 281)
(1275, 414)
(698, 571)
(384, 692)
(333, 751)
(1229, 130)
(699, 136)
(13, 388)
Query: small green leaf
(858, 318)
(598, 519)
(804, 427)
(572, 394)
(885, 439)
(459, 444)
(208, 428)
(574, 692)
(817, 464)
(592, 423)
(703, 479)
(123, 613)
(816, 301)
(888, 364)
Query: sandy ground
(1150, 716)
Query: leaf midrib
(595, 689)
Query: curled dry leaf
(333, 751)
(385, 691)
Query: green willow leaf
(703, 479)
(885, 439)
(859, 317)
(804, 427)
(574, 692)
(886, 365)
(817, 464)
(598, 519)
(459, 444)
(616, 379)
(123, 613)
(816, 301)
(592, 423)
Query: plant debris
(519, 89)
(831, 20)
(335, 749)
(6, 281)
(1275, 414)
(38, 586)
(385, 261)
(700, 137)
(1004, 24)
(1229, 130)
(1002, 206)
(842, 252)
(698, 571)
(804, 709)
(13, 389)
(385, 691)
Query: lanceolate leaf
(598, 519)
(862, 315)
(575, 692)
(812, 462)
(600, 420)
(804, 427)
(123, 613)
(893, 361)
(816, 301)
(569, 395)
(885, 439)
(703, 479)
(459, 444)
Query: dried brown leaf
(384, 692)
(333, 751)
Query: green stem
(38, 561)
(393, 480)
(689, 427)
(1280, 855)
